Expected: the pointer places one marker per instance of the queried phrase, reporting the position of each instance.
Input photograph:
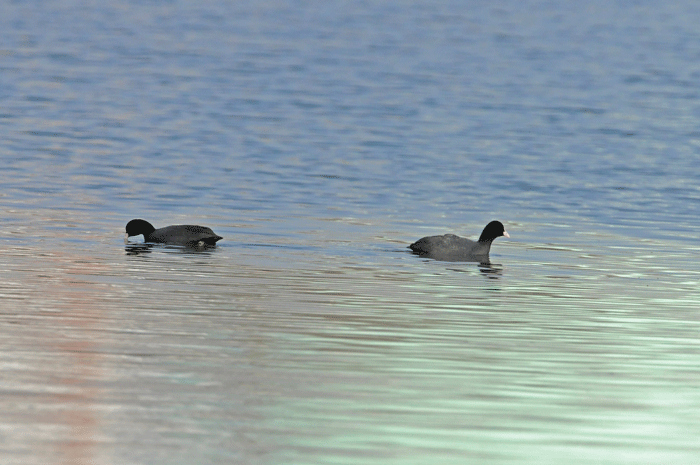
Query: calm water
(320, 139)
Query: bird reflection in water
(141, 248)
(490, 270)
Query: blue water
(320, 140)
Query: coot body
(458, 249)
(182, 234)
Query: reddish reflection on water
(53, 335)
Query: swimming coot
(182, 234)
(454, 248)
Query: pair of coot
(448, 247)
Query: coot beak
(505, 233)
(126, 238)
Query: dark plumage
(182, 234)
(458, 249)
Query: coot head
(136, 227)
(493, 230)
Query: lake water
(320, 139)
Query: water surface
(320, 140)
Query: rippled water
(320, 140)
